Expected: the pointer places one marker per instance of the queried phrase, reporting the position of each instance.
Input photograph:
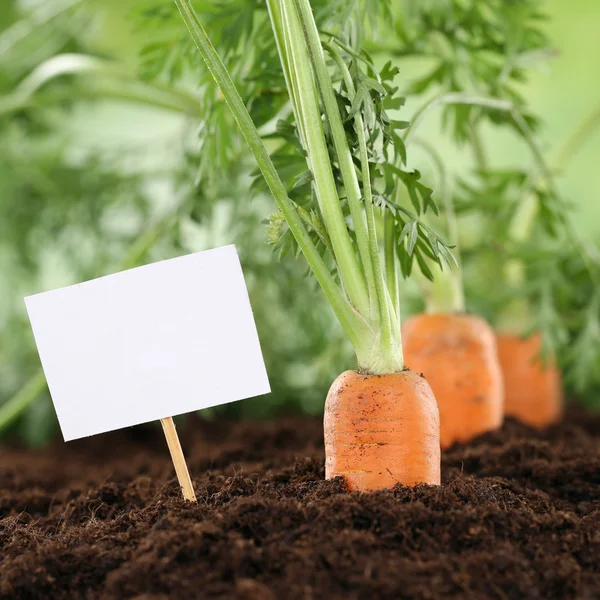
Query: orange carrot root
(533, 391)
(381, 430)
(457, 355)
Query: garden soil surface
(517, 516)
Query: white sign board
(152, 342)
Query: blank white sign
(152, 342)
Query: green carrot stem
(391, 269)
(446, 293)
(589, 258)
(340, 141)
(524, 218)
(278, 25)
(320, 163)
(385, 323)
(389, 314)
(575, 141)
(353, 323)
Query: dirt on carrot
(518, 516)
(381, 430)
(532, 391)
(457, 355)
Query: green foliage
(484, 48)
(60, 207)
(374, 95)
(557, 283)
(550, 275)
(241, 28)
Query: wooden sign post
(148, 343)
(183, 475)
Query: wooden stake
(181, 469)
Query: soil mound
(518, 516)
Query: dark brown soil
(518, 517)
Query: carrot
(381, 430)
(388, 429)
(533, 391)
(458, 357)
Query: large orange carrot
(381, 430)
(457, 355)
(533, 391)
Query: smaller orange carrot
(533, 391)
(458, 356)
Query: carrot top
(354, 161)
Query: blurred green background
(91, 183)
(562, 95)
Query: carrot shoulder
(381, 430)
(457, 354)
(533, 391)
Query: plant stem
(574, 142)
(276, 16)
(385, 323)
(129, 88)
(457, 98)
(391, 271)
(478, 149)
(320, 163)
(353, 323)
(525, 216)
(13, 408)
(446, 292)
(38, 18)
(589, 259)
(516, 315)
(453, 98)
(340, 141)
(388, 309)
